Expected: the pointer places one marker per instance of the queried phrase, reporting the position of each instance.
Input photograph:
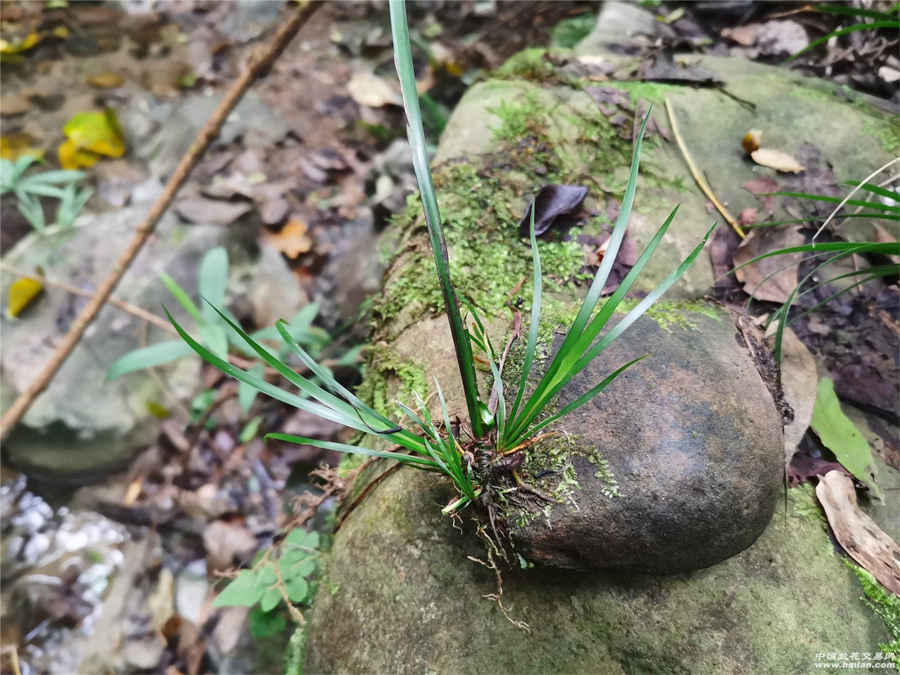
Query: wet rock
(677, 465)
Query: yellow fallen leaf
(106, 80)
(750, 142)
(21, 294)
(158, 410)
(97, 131)
(292, 239)
(70, 157)
(778, 160)
(28, 42)
(61, 32)
(17, 145)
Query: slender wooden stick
(701, 181)
(258, 64)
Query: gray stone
(83, 423)
(692, 447)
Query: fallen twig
(259, 62)
(698, 177)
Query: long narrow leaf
(416, 134)
(148, 357)
(584, 398)
(838, 200)
(878, 190)
(618, 329)
(348, 419)
(415, 460)
(534, 326)
(183, 298)
(612, 250)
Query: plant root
(498, 596)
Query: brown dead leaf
(227, 544)
(863, 540)
(293, 239)
(370, 90)
(743, 35)
(749, 216)
(762, 186)
(210, 211)
(772, 279)
(778, 160)
(107, 80)
(882, 236)
(800, 382)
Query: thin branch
(698, 177)
(258, 64)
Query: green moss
(529, 64)
(655, 92)
(388, 378)
(669, 314)
(885, 604)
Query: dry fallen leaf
(107, 80)
(863, 540)
(882, 236)
(800, 382)
(373, 91)
(22, 293)
(293, 239)
(778, 160)
(751, 140)
(15, 145)
(771, 279)
(91, 134)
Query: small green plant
(883, 204)
(279, 578)
(437, 445)
(60, 185)
(212, 282)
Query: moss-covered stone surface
(406, 597)
(409, 601)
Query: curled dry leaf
(772, 279)
(863, 540)
(22, 293)
(551, 202)
(293, 239)
(778, 160)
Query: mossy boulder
(399, 593)
(676, 466)
(400, 596)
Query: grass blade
(584, 398)
(418, 462)
(416, 134)
(533, 327)
(147, 357)
(181, 296)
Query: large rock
(404, 598)
(677, 464)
